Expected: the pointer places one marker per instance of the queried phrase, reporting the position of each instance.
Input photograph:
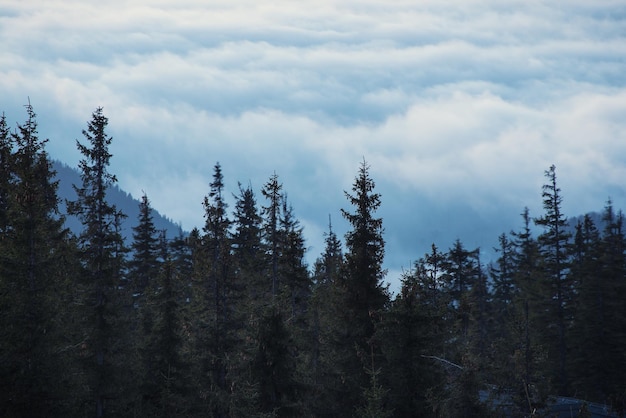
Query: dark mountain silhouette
(69, 176)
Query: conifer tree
(363, 274)
(247, 245)
(100, 243)
(180, 253)
(272, 191)
(324, 312)
(363, 293)
(501, 274)
(461, 272)
(481, 319)
(587, 365)
(6, 155)
(292, 268)
(144, 265)
(273, 366)
(215, 302)
(411, 335)
(165, 379)
(375, 394)
(528, 352)
(32, 237)
(604, 313)
(554, 250)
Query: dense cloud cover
(458, 107)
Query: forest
(230, 321)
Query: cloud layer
(458, 107)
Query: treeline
(229, 321)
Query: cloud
(458, 107)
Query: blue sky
(457, 106)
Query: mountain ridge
(124, 201)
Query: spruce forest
(230, 321)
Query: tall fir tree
(364, 294)
(249, 275)
(324, 312)
(501, 273)
(411, 335)
(247, 247)
(144, 269)
(555, 259)
(6, 156)
(461, 272)
(145, 262)
(528, 353)
(610, 310)
(217, 324)
(100, 243)
(587, 360)
(165, 376)
(32, 238)
(292, 268)
(272, 191)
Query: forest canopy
(230, 321)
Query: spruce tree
(165, 375)
(411, 335)
(180, 254)
(272, 191)
(363, 272)
(292, 267)
(325, 307)
(461, 272)
(6, 156)
(554, 250)
(144, 264)
(501, 273)
(215, 302)
(31, 286)
(100, 243)
(528, 352)
(588, 364)
(363, 293)
(247, 247)
(610, 310)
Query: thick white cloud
(457, 107)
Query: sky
(458, 107)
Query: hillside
(129, 205)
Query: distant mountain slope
(68, 176)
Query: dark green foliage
(598, 332)
(362, 294)
(31, 240)
(6, 156)
(144, 264)
(230, 322)
(461, 272)
(501, 274)
(215, 322)
(324, 309)
(528, 353)
(101, 256)
(273, 366)
(272, 191)
(292, 269)
(363, 273)
(557, 288)
(375, 396)
(410, 334)
(165, 376)
(247, 247)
